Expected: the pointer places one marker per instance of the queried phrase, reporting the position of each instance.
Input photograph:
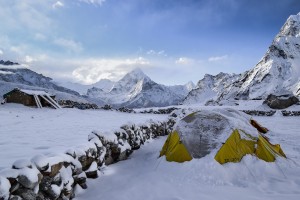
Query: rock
(290, 113)
(92, 172)
(107, 107)
(15, 186)
(29, 178)
(86, 162)
(280, 102)
(13, 197)
(4, 188)
(80, 179)
(54, 170)
(46, 187)
(22, 163)
(40, 162)
(26, 194)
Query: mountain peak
(137, 72)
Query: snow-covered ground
(26, 132)
(146, 177)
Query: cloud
(40, 37)
(157, 53)
(217, 58)
(57, 4)
(184, 61)
(92, 70)
(70, 45)
(1, 52)
(29, 59)
(96, 2)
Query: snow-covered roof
(34, 92)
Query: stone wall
(60, 177)
(259, 112)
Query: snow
(34, 92)
(31, 174)
(4, 187)
(26, 132)
(22, 163)
(5, 72)
(93, 167)
(146, 177)
(136, 89)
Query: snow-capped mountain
(21, 77)
(278, 72)
(210, 88)
(136, 89)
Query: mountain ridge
(276, 73)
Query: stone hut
(31, 98)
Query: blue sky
(172, 41)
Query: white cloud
(29, 59)
(217, 58)
(1, 52)
(57, 4)
(158, 53)
(92, 70)
(19, 50)
(70, 45)
(184, 61)
(97, 2)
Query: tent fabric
(267, 151)
(174, 149)
(201, 132)
(235, 148)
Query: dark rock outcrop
(281, 102)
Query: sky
(172, 41)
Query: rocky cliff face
(278, 72)
(210, 88)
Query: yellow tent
(200, 132)
(236, 147)
(174, 149)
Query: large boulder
(281, 102)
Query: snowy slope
(26, 132)
(278, 72)
(146, 177)
(136, 90)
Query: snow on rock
(57, 175)
(22, 163)
(92, 171)
(40, 162)
(29, 178)
(4, 188)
